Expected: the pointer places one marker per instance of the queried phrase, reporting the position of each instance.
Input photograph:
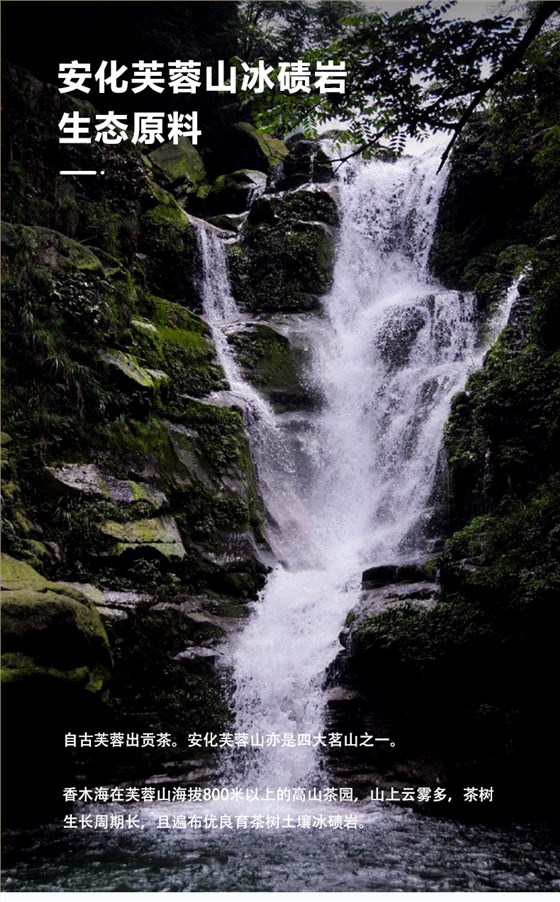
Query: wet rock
(389, 574)
(234, 192)
(158, 534)
(307, 162)
(399, 334)
(245, 148)
(294, 206)
(229, 222)
(198, 653)
(132, 371)
(273, 365)
(283, 268)
(50, 631)
(89, 480)
(236, 548)
(115, 598)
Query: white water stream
(352, 485)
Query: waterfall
(352, 485)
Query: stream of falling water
(349, 486)
(352, 485)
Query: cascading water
(346, 487)
(354, 487)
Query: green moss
(282, 269)
(134, 443)
(272, 365)
(306, 206)
(167, 241)
(179, 343)
(50, 629)
(180, 163)
(174, 316)
(159, 534)
(168, 214)
(267, 149)
(220, 436)
(131, 369)
(503, 431)
(16, 574)
(515, 549)
(18, 668)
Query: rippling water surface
(396, 852)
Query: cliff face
(122, 483)
(132, 522)
(465, 681)
(133, 528)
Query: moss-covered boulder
(228, 222)
(283, 268)
(90, 480)
(179, 167)
(171, 339)
(130, 369)
(244, 147)
(273, 365)
(158, 534)
(294, 206)
(285, 258)
(233, 193)
(50, 631)
(306, 163)
(167, 244)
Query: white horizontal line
(78, 172)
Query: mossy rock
(178, 343)
(87, 479)
(282, 268)
(167, 245)
(180, 166)
(159, 534)
(128, 366)
(273, 365)
(229, 222)
(246, 148)
(50, 630)
(234, 192)
(307, 162)
(302, 206)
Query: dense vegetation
(131, 515)
(471, 679)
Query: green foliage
(502, 196)
(177, 342)
(52, 316)
(408, 72)
(503, 431)
(508, 571)
(282, 268)
(221, 437)
(273, 365)
(286, 30)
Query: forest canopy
(409, 72)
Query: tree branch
(545, 10)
